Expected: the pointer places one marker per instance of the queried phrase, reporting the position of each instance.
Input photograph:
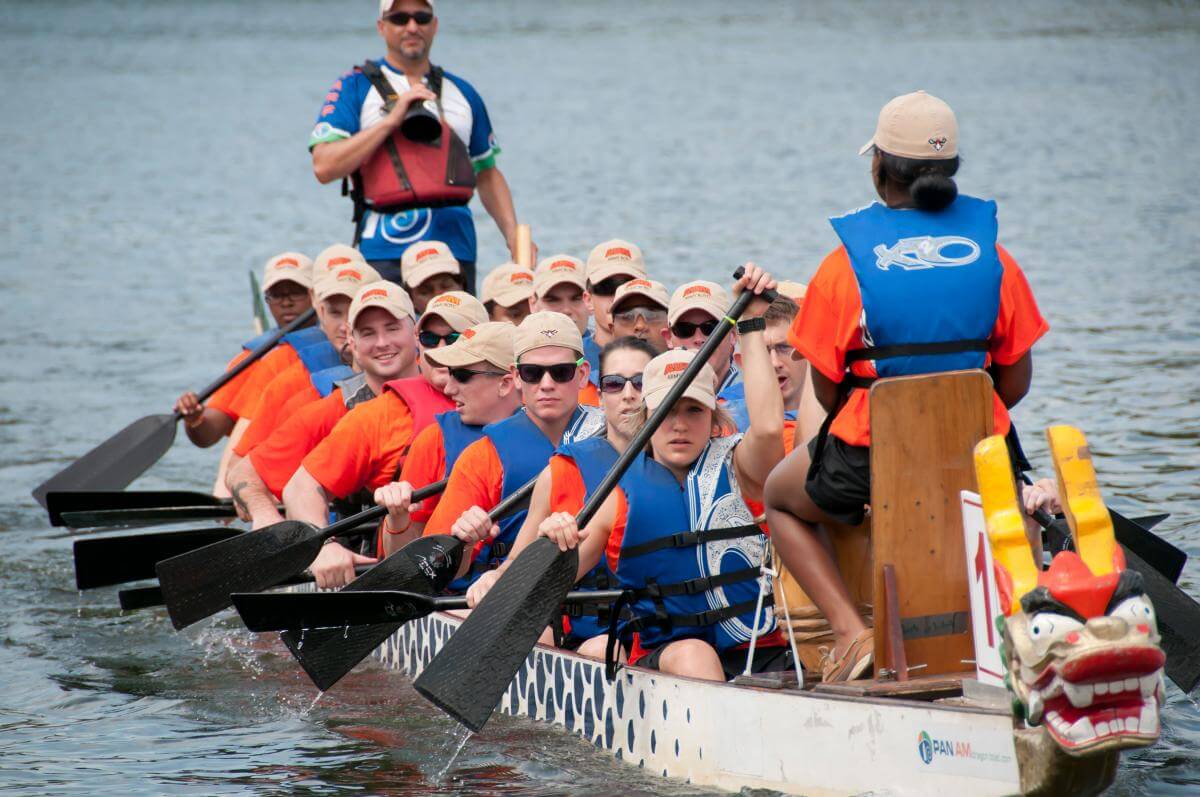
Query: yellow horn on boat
(1005, 521)
(1090, 523)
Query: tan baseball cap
(507, 285)
(651, 289)
(546, 329)
(459, 309)
(793, 290)
(557, 269)
(490, 342)
(662, 372)
(288, 266)
(615, 257)
(424, 259)
(698, 295)
(916, 125)
(345, 281)
(386, 5)
(385, 294)
(333, 256)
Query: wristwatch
(752, 325)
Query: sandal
(854, 662)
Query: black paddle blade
(140, 598)
(117, 461)
(1178, 618)
(198, 584)
(471, 673)
(1157, 552)
(104, 561)
(282, 611)
(105, 500)
(110, 518)
(426, 566)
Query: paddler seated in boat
(790, 368)
(409, 184)
(366, 449)
(429, 269)
(679, 529)
(506, 292)
(550, 370)
(303, 383)
(695, 309)
(559, 286)
(609, 266)
(484, 390)
(639, 310)
(333, 256)
(573, 474)
(384, 348)
(286, 284)
(919, 285)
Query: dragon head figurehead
(1080, 638)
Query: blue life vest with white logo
(929, 282)
(325, 380)
(692, 554)
(591, 352)
(297, 340)
(319, 356)
(594, 457)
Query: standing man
(406, 191)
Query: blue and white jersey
(353, 104)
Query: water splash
(465, 734)
(300, 643)
(346, 632)
(312, 705)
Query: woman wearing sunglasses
(680, 532)
(550, 370)
(574, 472)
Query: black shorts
(839, 480)
(733, 661)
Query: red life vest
(423, 399)
(403, 173)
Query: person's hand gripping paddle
(474, 668)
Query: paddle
(266, 611)
(109, 500)
(328, 655)
(473, 670)
(149, 597)
(104, 561)
(145, 516)
(198, 584)
(257, 307)
(126, 455)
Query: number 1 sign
(985, 603)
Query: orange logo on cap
(286, 262)
(520, 277)
(454, 301)
(562, 265)
(697, 290)
(334, 262)
(468, 334)
(674, 368)
(619, 251)
(637, 284)
(349, 275)
(371, 294)
(424, 253)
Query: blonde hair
(722, 422)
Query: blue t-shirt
(353, 104)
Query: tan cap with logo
(289, 266)
(651, 289)
(546, 329)
(916, 125)
(491, 342)
(385, 294)
(793, 290)
(615, 257)
(507, 284)
(333, 256)
(459, 309)
(557, 269)
(698, 295)
(661, 372)
(344, 281)
(424, 259)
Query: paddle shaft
(255, 355)
(448, 602)
(147, 597)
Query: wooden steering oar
(197, 584)
(126, 455)
(474, 668)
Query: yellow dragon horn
(1005, 521)
(1091, 525)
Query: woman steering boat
(679, 530)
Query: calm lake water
(156, 151)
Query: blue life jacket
(297, 339)
(741, 416)
(591, 352)
(594, 456)
(319, 356)
(456, 436)
(929, 282)
(326, 379)
(732, 387)
(692, 554)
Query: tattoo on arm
(236, 493)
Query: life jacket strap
(695, 586)
(688, 539)
(852, 380)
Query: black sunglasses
(608, 287)
(685, 329)
(559, 372)
(430, 340)
(615, 383)
(465, 375)
(274, 296)
(401, 18)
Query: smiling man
(560, 286)
(408, 190)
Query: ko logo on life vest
(915, 254)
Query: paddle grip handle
(377, 512)
(254, 356)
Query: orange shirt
(477, 480)
(271, 365)
(365, 449)
(424, 465)
(277, 458)
(224, 395)
(589, 395)
(567, 490)
(274, 405)
(829, 325)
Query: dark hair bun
(933, 191)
